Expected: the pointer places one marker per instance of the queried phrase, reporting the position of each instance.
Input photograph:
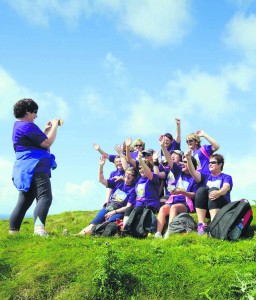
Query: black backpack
(232, 220)
(105, 229)
(138, 223)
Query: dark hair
(23, 106)
(219, 158)
(169, 136)
(194, 162)
(149, 164)
(134, 170)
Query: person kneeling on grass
(122, 196)
(215, 192)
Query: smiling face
(167, 142)
(176, 157)
(118, 163)
(214, 166)
(129, 177)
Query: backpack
(139, 222)
(232, 220)
(105, 229)
(182, 223)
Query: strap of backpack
(132, 217)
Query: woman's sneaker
(41, 232)
(201, 229)
(158, 235)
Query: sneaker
(41, 232)
(158, 235)
(201, 229)
(65, 232)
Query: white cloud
(92, 101)
(161, 24)
(241, 35)
(8, 193)
(187, 95)
(10, 91)
(40, 11)
(85, 189)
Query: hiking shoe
(158, 235)
(201, 229)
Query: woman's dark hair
(219, 158)
(23, 106)
(194, 162)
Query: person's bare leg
(86, 230)
(213, 212)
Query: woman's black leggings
(202, 199)
(40, 190)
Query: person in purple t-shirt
(32, 165)
(215, 192)
(201, 153)
(147, 188)
(170, 142)
(121, 198)
(180, 195)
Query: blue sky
(114, 69)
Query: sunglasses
(137, 145)
(213, 163)
(184, 161)
(127, 174)
(147, 155)
(189, 141)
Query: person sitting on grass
(121, 197)
(147, 188)
(181, 195)
(215, 192)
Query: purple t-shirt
(122, 194)
(27, 136)
(217, 181)
(202, 160)
(147, 192)
(183, 181)
(174, 146)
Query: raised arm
(131, 161)
(161, 175)
(178, 131)
(215, 145)
(101, 175)
(120, 150)
(193, 172)
(103, 153)
(146, 169)
(51, 131)
(165, 151)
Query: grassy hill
(70, 267)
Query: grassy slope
(70, 267)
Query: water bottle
(236, 232)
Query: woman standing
(32, 168)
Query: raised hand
(102, 160)
(156, 155)
(128, 142)
(96, 146)
(200, 133)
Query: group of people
(168, 181)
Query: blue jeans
(100, 217)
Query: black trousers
(40, 190)
(202, 199)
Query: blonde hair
(139, 141)
(195, 137)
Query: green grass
(70, 267)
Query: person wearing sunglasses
(122, 197)
(201, 153)
(215, 190)
(32, 168)
(181, 190)
(132, 152)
